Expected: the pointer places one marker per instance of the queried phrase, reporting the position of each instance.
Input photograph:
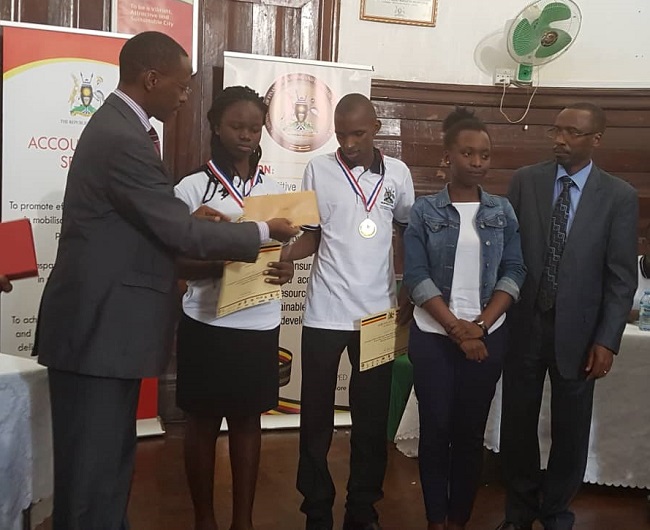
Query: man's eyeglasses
(183, 87)
(567, 132)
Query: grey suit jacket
(598, 270)
(110, 304)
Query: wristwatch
(482, 325)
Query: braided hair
(226, 98)
(220, 155)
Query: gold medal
(367, 228)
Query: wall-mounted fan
(542, 32)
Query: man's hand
(5, 284)
(462, 330)
(281, 229)
(404, 307)
(279, 272)
(599, 362)
(205, 212)
(404, 312)
(474, 350)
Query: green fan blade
(552, 13)
(563, 40)
(524, 38)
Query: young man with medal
(361, 196)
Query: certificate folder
(17, 253)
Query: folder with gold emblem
(243, 285)
(382, 339)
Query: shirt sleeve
(308, 184)
(190, 190)
(405, 199)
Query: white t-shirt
(353, 276)
(200, 300)
(465, 296)
(644, 285)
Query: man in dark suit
(578, 235)
(108, 311)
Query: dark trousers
(532, 494)
(369, 393)
(454, 396)
(94, 439)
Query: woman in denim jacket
(463, 268)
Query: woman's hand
(279, 272)
(474, 350)
(461, 330)
(405, 313)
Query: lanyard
(232, 190)
(372, 199)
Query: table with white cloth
(619, 447)
(26, 469)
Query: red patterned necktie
(155, 139)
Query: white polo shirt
(200, 300)
(353, 276)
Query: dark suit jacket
(109, 306)
(598, 271)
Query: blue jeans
(454, 396)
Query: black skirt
(224, 371)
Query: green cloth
(400, 389)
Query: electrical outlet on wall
(503, 76)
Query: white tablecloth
(25, 438)
(619, 449)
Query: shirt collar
(142, 115)
(377, 166)
(579, 178)
(443, 198)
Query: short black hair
(353, 102)
(598, 118)
(458, 120)
(150, 50)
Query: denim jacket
(430, 247)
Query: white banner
(302, 96)
(54, 79)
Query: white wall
(612, 49)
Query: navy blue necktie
(556, 241)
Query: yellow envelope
(299, 207)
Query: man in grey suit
(578, 235)
(108, 311)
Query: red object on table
(148, 402)
(17, 253)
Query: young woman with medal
(463, 268)
(361, 196)
(228, 366)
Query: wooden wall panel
(34, 11)
(86, 14)
(94, 14)
(7, 9)
(412, 115)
